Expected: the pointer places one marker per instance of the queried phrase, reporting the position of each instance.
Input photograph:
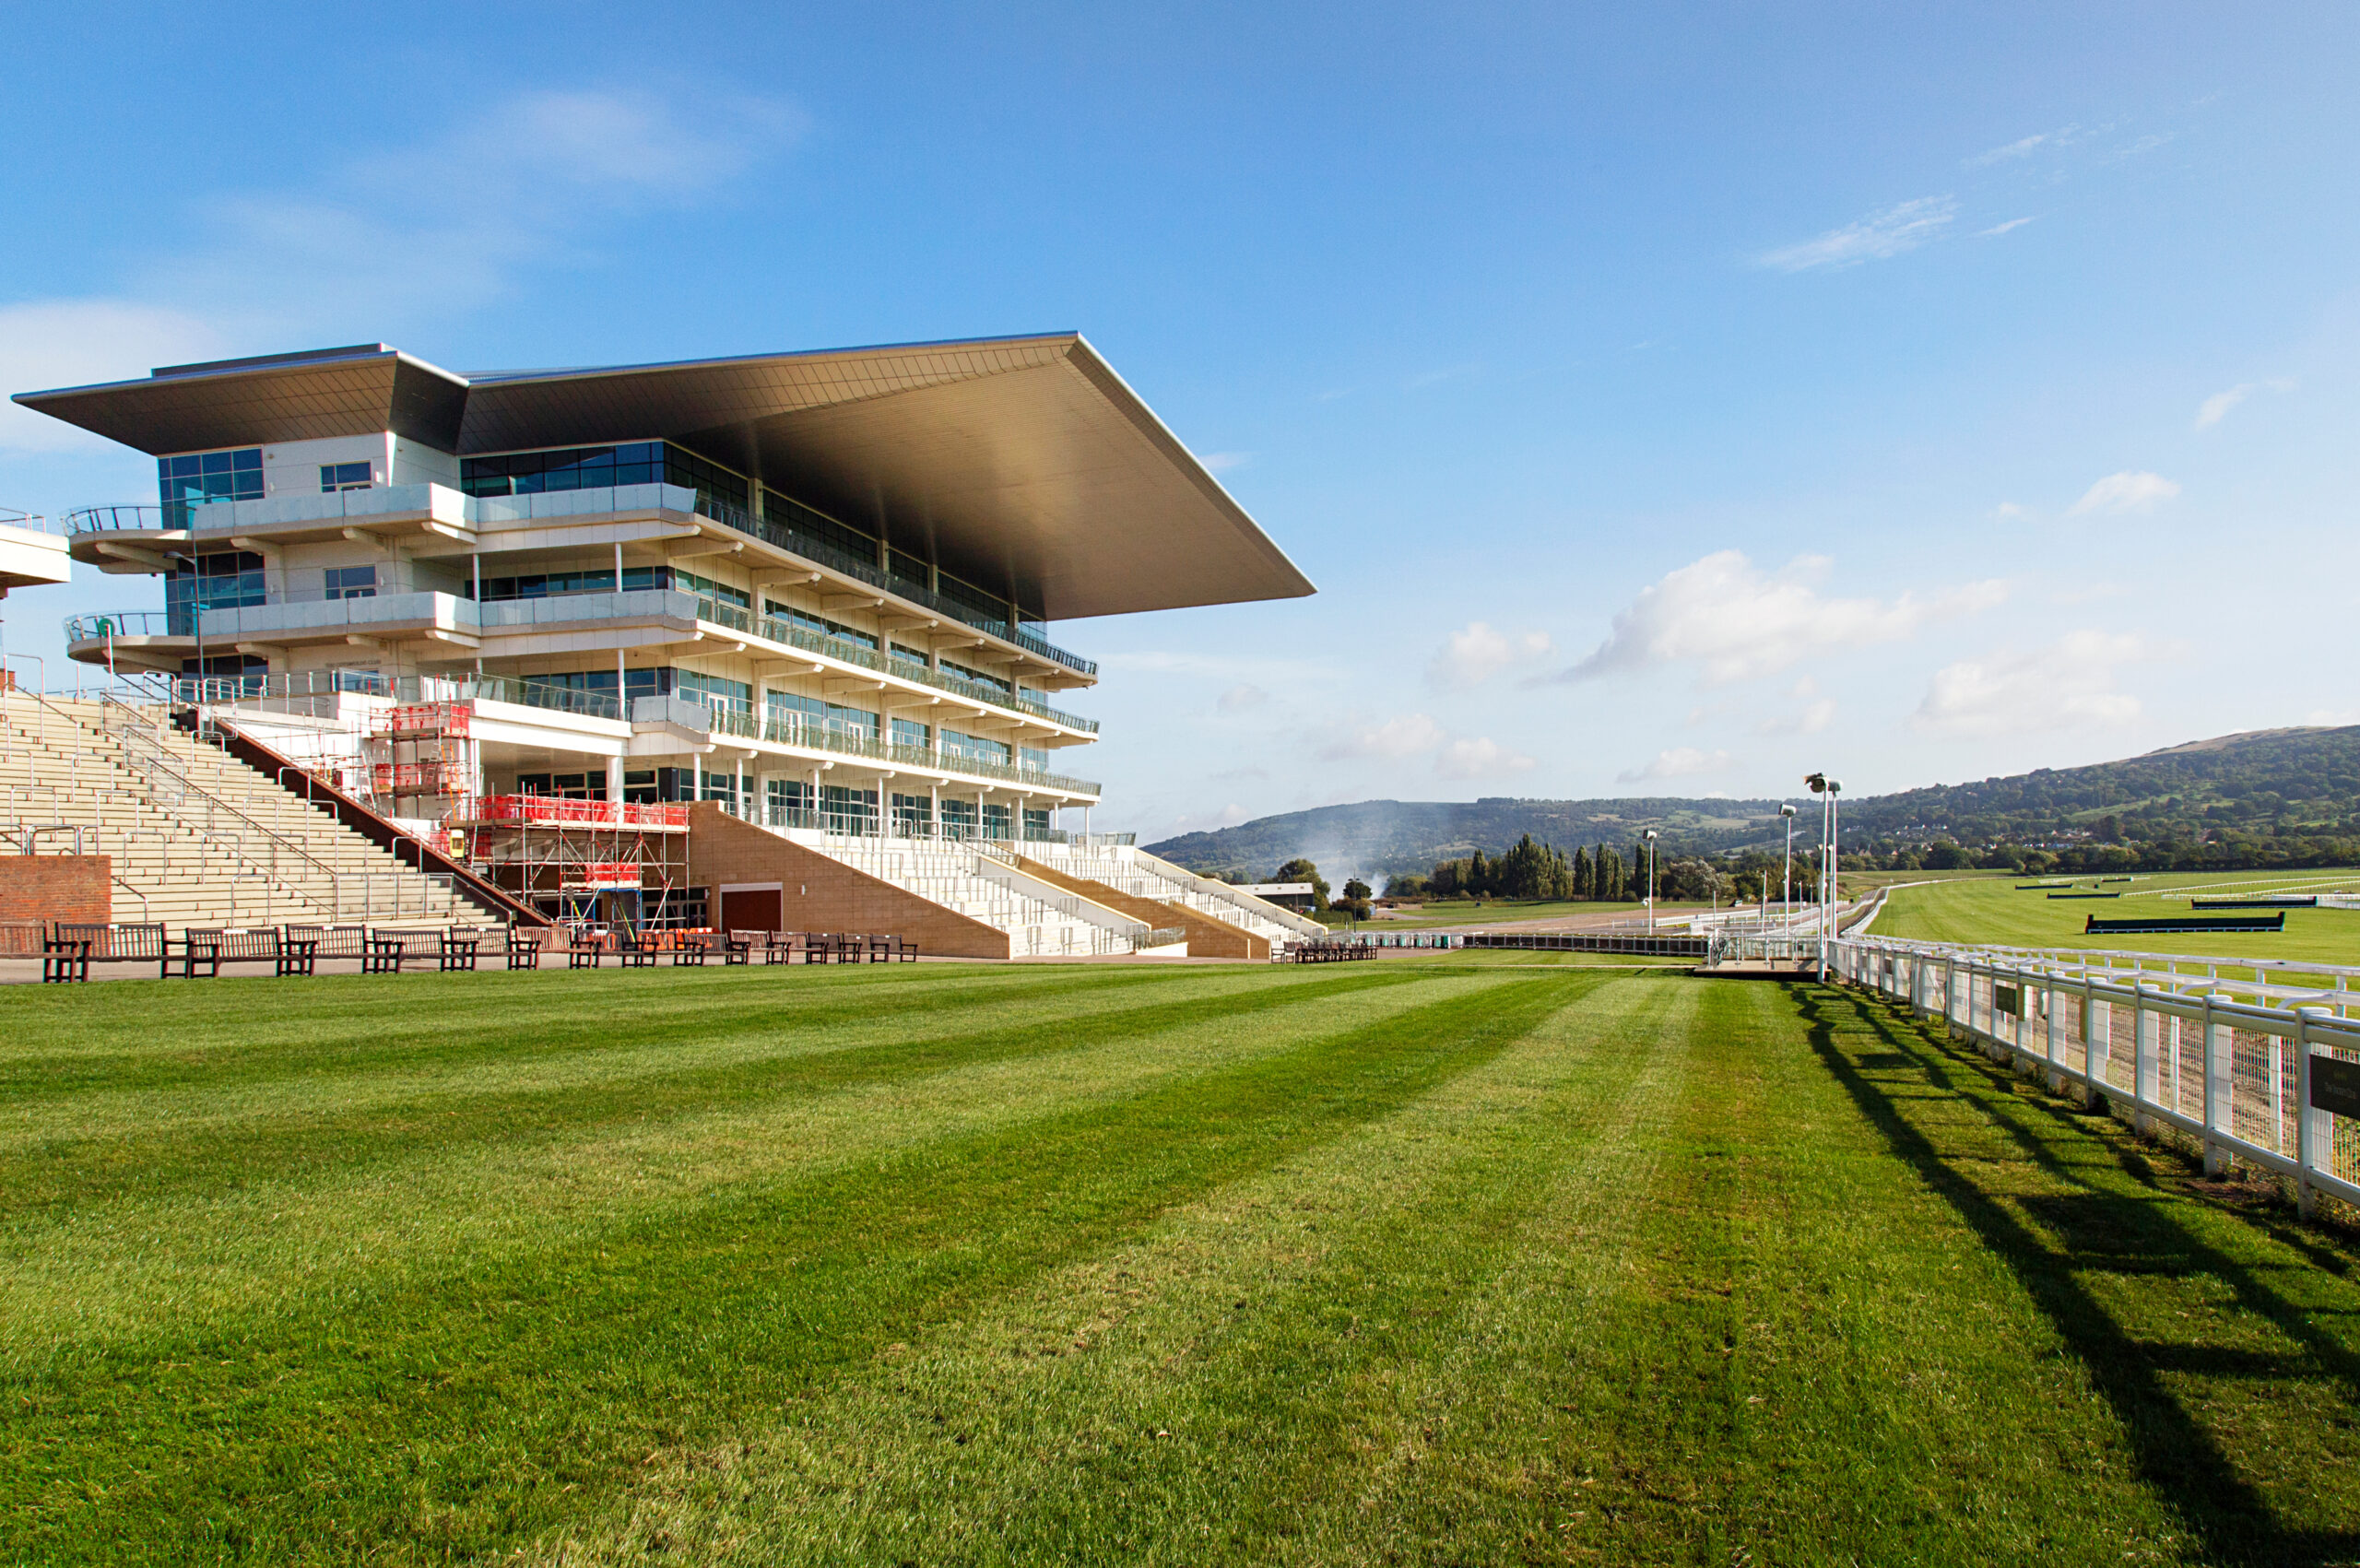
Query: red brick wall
(820, 894)
(57, 887)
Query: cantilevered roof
(1018, 463)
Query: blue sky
(1667, 401)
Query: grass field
(1982, 910)
(1414, 1261)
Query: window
(552, 585)
(1036, 825)
(912, 813)
(715, 690)
(975, 747)
(222, 579)
(915, 655)
(980, 677)
(642, 682)
(343, 477)
(205, 479)
(1030, 760)
(791, 804)
(959, 819)
(787, 707)
(600, 467)
(821, 625)
(999, 822)
(909, 731)
(844, 810)
(352, 582)
(689, 583)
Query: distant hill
(2267, 794)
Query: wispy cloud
(1242, 698)
(1736, 620)
(2068, 684)
(1815, 717)
(1408, 737)
(388, 241)
(2120, 494)
(1222, 462)
(1476, 653)
(1678, 762)
(1899, 228)
(2215, 408)
(1997, 229)
(2022, 147)
(2008, 511)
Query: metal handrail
(797, 729)
(118, 623)
(32, 521)
(109, 519)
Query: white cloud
(2214, 409)
(2068, 684)
(2020, 147)
(1244, 697)
(2117, 494)
(2008, 511)
(1222, 462)
(1738, 621)
(1478, 758)
(1410, 735)
(1815, 717)
(1260, 671)
(1471, 656)
(2333, 718)
(414, 234)
(1903, 226)
(1999, 229)
(1678, 763)
(47, 343)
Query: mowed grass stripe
(331, 1233)
(459, 1415)
(96, 1167)
(148, 1037)
(1259, 1376)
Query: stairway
(198, 837)
(1140, 875)
(968, 882)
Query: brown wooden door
(751, 909)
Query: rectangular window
(716, 691)
(998, 822)
(844, 810)
(352, 582)
(976, 747)
(222, 579)
(207, 478)
(791, 804)
(343, 477)
(605, 467)
(1031, 760)
(909, 731)
(689, 583)
(981, 678)
(912, 813)
(959, 819)
(913, 656)
(820, 625)
(1036, 825)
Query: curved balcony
(116, 519)
(119, 623)
(772, 629)
(798, 730)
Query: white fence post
(2142, 1057)
(2219, 1090)
(2305, 1133)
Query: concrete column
(615, 775)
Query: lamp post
(1650, 837)
(1827, 789)
(1786, 869)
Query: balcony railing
(787, 633)
(801, 730)
(119, 623)
(492, 509)
(32, 521)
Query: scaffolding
(419, 760)
(611, 863)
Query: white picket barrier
(2274, 1080)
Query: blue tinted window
(205, 479)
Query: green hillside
(2266, 797)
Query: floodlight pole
(1787, 870)
(1650, 837)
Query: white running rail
(2274, 1080)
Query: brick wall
(820, 894)
(57, 887)
(1208, 938)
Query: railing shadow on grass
(2094, 1230)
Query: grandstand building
(808, 593)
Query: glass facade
(1036, 825)
(343, 477)
(225, 580)
(792, 803)
(600, 467)
(642, 682)
(351, 581)
(909, 731)
(957, 745)
(979, 677)
(912, 813)
(689, 583)
(714, 691)
(784, 707)
(552, 585)
(206, 479)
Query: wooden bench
(738, 947)
(213, 946)
(818, 946)
(460, 946)
(691, 948)
(332, 941)
(583, 949)
(780, 947)
(525, 946)
(114, 944)
(388, 951)
(636, 952)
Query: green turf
(1407, 1261)
(1996, 912)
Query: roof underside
(1019, 462)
